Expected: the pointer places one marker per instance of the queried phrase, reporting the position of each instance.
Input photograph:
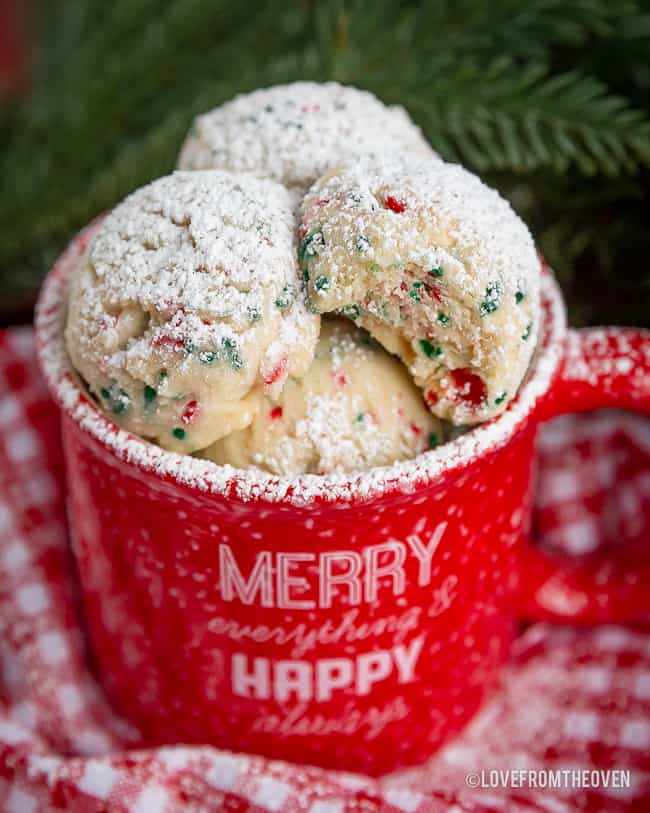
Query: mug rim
(201, 475)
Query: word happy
(283, 680)
(305, 580)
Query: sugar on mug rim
(250, 485)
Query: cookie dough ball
(189, 307)
(355, 408)
(437, 267)
(294, 133)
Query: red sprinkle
(395, 204)
(469, 386)
(276, 413)
(303, 231)
(322, 201)
(417, 430)
(168, 341)
(190, 412)
(433, 291)
(430, 397)
(341, 380)
(276, 372)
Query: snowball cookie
(355, 408)
(293, 133)
(437, 267)
(188, 307)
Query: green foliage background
(547, 99)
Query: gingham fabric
(569, 698)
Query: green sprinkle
(149, 394)
(232, 353)
(360, 417)
(188, 347)
(501, 398)
(322, 283)
(207, 356)
(351, 311)
(528, 330)
(179, 433)
(519, 296)
(431, 351)
(415, 296)
(375, 268)
(433, 440)
(443, 319)
(286, 296)
(418, 284)
(120, 403)
(435, 272)
(309, 247)
(492, 299)
(253, 314)
(162, 375)
(363, 244)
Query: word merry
(318, 680)
(286, 579)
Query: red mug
(354, 622)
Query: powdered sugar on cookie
(178, 318)
(437, 266)
(294, 133)
(356, 407)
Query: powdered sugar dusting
(437, 266)
(249, 485)
(189, 300)
(356, 407)
(293, 133)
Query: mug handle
(602, 367)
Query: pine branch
(505, 117)
(540, 95)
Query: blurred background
(548, 100)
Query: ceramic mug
(353, 622)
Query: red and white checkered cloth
(569, 699)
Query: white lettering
(371, 668)
(332, 673)
(396, 553)
(285, 581)
(292, 676)
(349, 576)
(406, 658)
(424, 553)
(231, 580)
(247, 684)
